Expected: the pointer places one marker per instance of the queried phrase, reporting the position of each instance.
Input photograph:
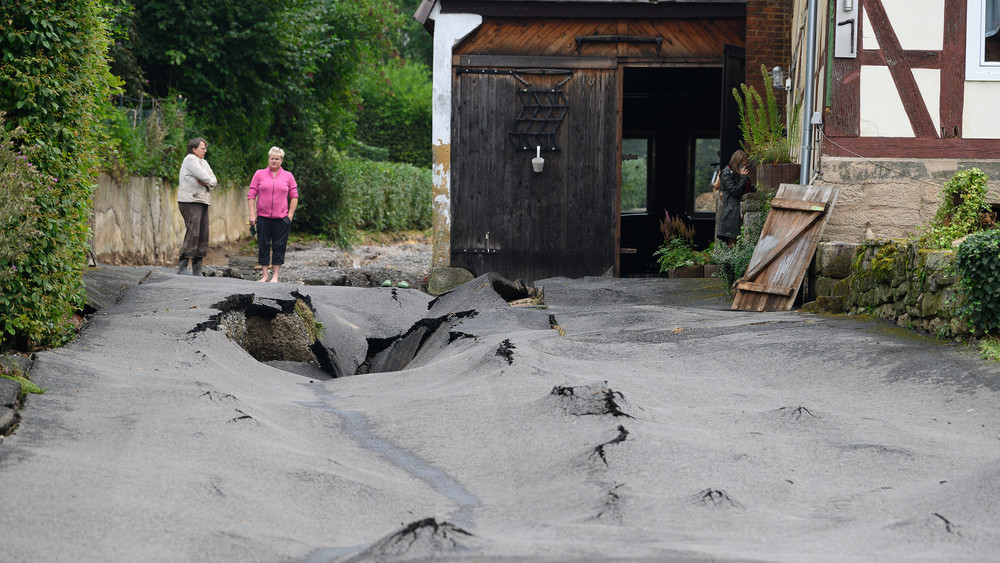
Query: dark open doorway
(670, 139)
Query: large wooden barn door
(531, 225)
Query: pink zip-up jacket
(273, 193)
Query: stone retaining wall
(891, 198)
(894, 280)
(138, 222)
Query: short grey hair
(277, 151)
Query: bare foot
(274, 279)
(263, 279)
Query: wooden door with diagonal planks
(787, 243)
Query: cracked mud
(390, 426)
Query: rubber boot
(196, 266)
(182, 265)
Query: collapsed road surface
(214, 419)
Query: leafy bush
(396, 112)
(20, 184)
(40, 255)
(963, 210)
(977, 262)
(144, 144)
(264, 73)
(764, 136)
(342, 195)
(54, 65)
(733, 260)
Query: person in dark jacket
(734, 182)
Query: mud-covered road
(626, 419)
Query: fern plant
(761, 124)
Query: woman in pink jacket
(273, 198)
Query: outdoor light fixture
(538, 162)
(778, 78)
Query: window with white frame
(982, 44)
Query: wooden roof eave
(583, 8)
(595, 8)
(423, 14)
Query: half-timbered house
(905, 93)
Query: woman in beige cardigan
(193, 198)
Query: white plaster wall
(868, 40)
(449, 30)
(882, 111)
(981, 116)
(929, 84)
(919, 24)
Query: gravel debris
(318, 263)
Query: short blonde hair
(277, 151)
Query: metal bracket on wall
(542, 112)
(580, 40)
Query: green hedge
(54, 82)
(340, 195)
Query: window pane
(991, 24)
(706, 155)
(635, 174)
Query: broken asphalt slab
(628, 419)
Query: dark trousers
(272, 237)
(195, 243)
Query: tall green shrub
(396, 112)
(258, 74)
(20, 184)
(342, 195)
(977, 261)
(54, 79)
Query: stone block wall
(891, 198)
(138, 222)
(893, 280)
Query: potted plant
(677, 256)
(765, 138)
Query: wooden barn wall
(561, 221)
(685, 41)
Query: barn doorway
(670, 142)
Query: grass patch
(13, 373)
(989, 349)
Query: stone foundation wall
(138, 222)
(894, 280)
(891, 198)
